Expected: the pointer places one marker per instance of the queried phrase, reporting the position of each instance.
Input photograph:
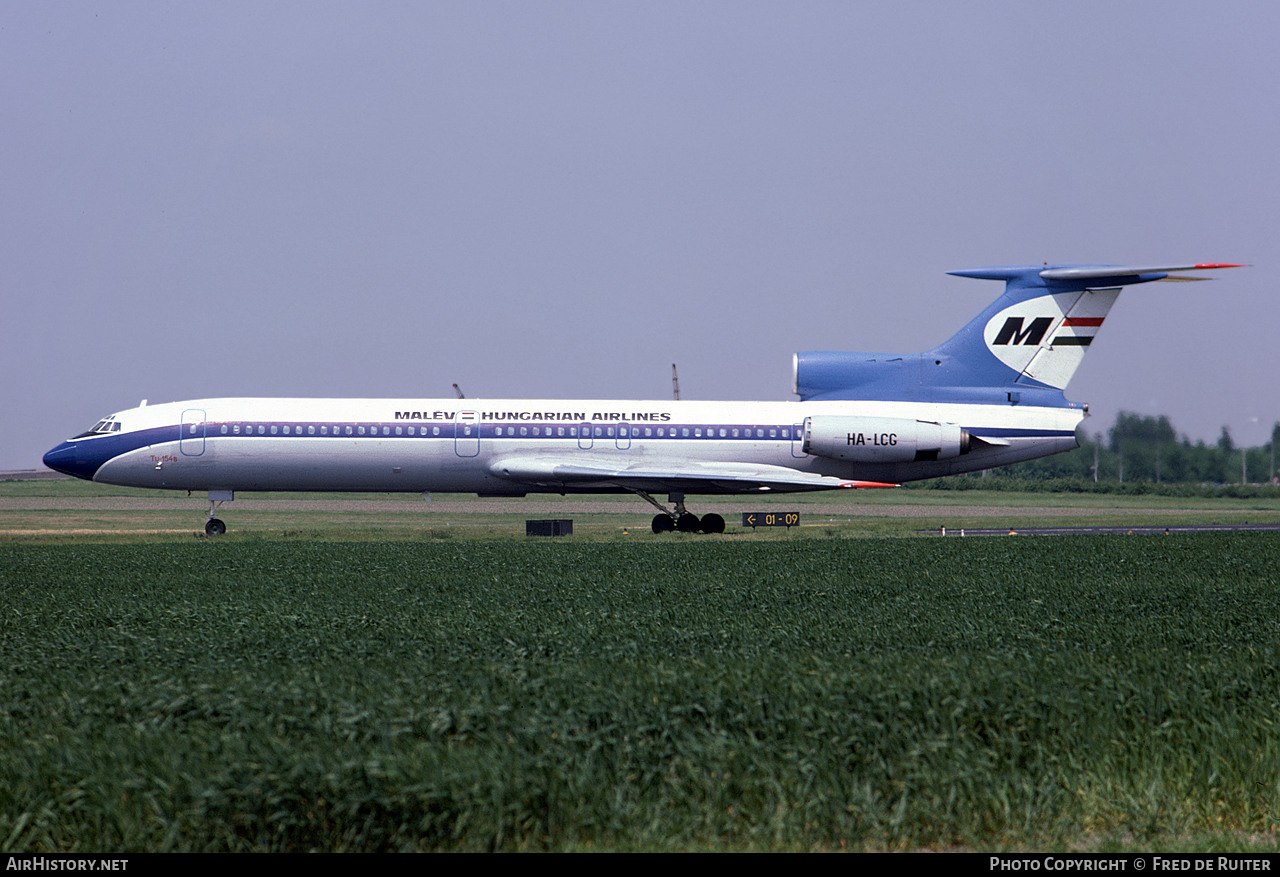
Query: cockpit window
(102, 427)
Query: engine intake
(883, 439)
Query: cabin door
(797, 440)
(466, 434)
(191, 439)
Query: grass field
(72, 510)
(372, 673)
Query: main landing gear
(680, 519)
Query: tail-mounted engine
(883, 439)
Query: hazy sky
(561, 199)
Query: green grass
(687, 694)
(69, 510)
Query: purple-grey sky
(560, 199)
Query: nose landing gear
(214, 526)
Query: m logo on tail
(1044, 338)
(1013, 333)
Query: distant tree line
(1139, 454)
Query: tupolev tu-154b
(990, 395)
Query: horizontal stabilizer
(1115, 273)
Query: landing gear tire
(688, 523)
(214, 527)
(712, 523)
(679, 518)
(663, 524)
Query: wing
(658, 476)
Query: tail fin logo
(1045, 338)
(1013, 333)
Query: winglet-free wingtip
(1203, 266)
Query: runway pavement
(1102, 531)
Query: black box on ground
(549, 528)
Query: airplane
(991, 395)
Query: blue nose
(70, 458)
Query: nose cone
(70, 458)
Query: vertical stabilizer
(1030, 340)
(1040, 329)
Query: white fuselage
(465, 445)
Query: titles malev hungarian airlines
(990, 395)
(616, 416)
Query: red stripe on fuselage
(1083, 321)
